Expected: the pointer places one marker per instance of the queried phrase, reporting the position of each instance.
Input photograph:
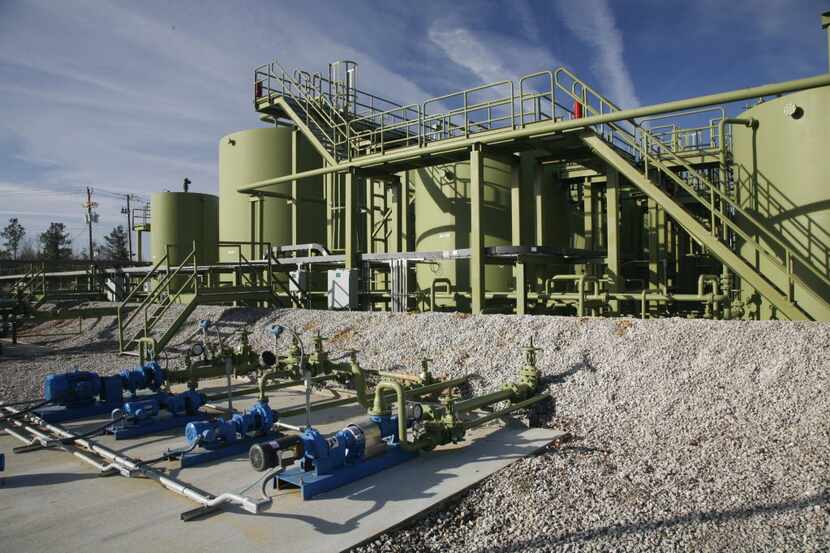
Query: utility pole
(128, 212)
(89, 218)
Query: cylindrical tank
(178, 219)
(782, 169)
(258, 154)
(442, 222)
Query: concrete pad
(51, 501)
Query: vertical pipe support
(295, 168)
(350, 202)
(612, 261)
(516, 234)
(477, 236)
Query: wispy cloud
(593, 22)
(134, 97)
(489, 56)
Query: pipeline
(128, 466)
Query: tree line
(55, 244)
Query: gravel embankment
(687, 435)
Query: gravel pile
(61, 346)
(687, 435)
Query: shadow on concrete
(392, 485)
(43, 479)
(620, 530)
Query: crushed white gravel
(687, 435)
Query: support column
(328, 181)
(612, 205)
(476, 234)
(399, 209)
(538, 207)
(349, 205)
(516, 234)
(588, 218)
(295, 198)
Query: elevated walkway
(685, 175)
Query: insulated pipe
(550, 127)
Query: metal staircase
(646, 161)
(338, 119)
(167, 291)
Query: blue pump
(211, 434)
(80, 394)
(142, 417)
(84, 387)
(352, 453)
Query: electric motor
(74, 388)
(267, 454)
(141, 410)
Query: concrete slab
(51, 501)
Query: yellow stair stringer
(717, 248)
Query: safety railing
(683, 132)
(373, 125)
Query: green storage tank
(180, 218)
(442, 222)
(782, 173)
(258, 154)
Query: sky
(132, 97)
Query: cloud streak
(594, 23)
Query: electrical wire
(22, 412)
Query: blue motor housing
(346, 446)
(258, 419)
(72, 389)
(150, 376)
(141, 410)
(185, 403)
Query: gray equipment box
(343, 289)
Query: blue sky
(131, 97)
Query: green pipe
(317, 406)
(550, 127)
(482, 401)
(270, 387)
(381, 407)
(437, 387)
(498, 414)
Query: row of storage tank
(781, 166)
(216, 224)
